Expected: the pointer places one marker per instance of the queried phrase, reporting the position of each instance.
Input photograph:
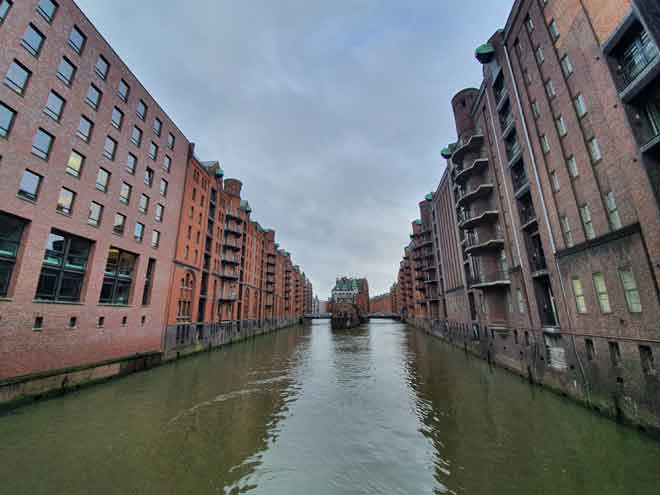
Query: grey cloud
(331, 113)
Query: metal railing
(489, 277)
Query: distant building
(352, 290)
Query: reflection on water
(375, 410)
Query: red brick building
(545, 223)
(116, 243)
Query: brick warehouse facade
(115, 240)
(541, 242)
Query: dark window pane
(70, 286)
(6, 270)
(47, 288)
(117, 117)
(120, 223)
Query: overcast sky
(332, 113)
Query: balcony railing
(495, 277)
(233, 228)
(637, 57)
(537, 261)
(527, 214)
(231, 243)
(227, 273)
(512, 151)
(519, 181)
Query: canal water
(379, 410)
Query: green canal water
(379, 410)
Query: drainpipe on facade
(547, 221)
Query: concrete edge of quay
(22, 390)
(633, 416)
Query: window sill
(67, 215)
(28, 200)
(63, 303)
(110, 305)
(6, 299)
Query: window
(66, 71)
(540, 58)
(17, 77)
(131, 163)
(535, 110)
(545, 144)
(630, 289)
(571, 164)
(11, 231)
(117, 118)
(587, 222)
(77, 40)
(567, 66)
(38, 323)
(148, 176)
(33, 40)
(47, 9)
(42, 144)
(568, 234)
(580, 105)
(521, 301)
(73, 322)
(138, 232)
(102, 180)
(612, 211)
(143, 205)
(95, 214)
(529, 24)
(554, 30)
(102, 67)
(153, 151)
(93, 98)
(155, 239)
(109, 148)
(158, 126)
(54, 106)
(125, 193)
(590, 349)
(554, 179)
(148, 282)
(594, 150)
(141, 110)
(527, 76)
(171, 141)
(601, 293)
(7, 116)
(646, 357)
(136, 136)
(65, 201)
(5, 6)
(578, 292)
(615, 354)
(160, 211)
(85, 129)
(561, 126)
(63, 269)
(167, 163)
(123, 90)
(119, 224)
(118, 277)
(75, 164)
(550, 89)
